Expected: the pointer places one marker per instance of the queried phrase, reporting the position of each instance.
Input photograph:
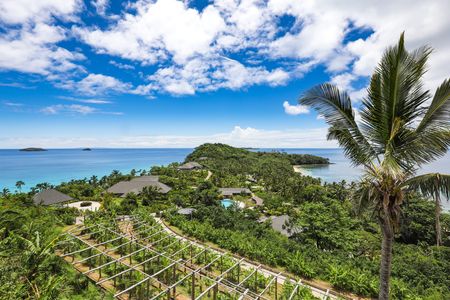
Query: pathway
(319, 292)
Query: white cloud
(87, 101)
(238, 137)
(173, 36)
(100, 6)
(121, 65)
(295, 109)
(13, 104)
(74, 109)
(30, 42)
(97, 84)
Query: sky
(170, 73)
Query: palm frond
(393, 105)
(336, 107)
(438, 113)
(430, 184)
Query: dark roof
(50, 196)
(146, 178)
(190, 166)
(186, 211)
(234, 191)
(259, 201)
(278, 224)
(136, 186)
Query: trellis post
(193, 286)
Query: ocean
(58, 165)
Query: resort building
(50, 197)
(186, 211)
(229, 192)
(190, 166)
(136, 185)
(278, 223)
(258, 201)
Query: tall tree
(434, 185)
(19, 185)
(399, 131)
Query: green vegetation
(399, 131)
(329, 241)
(29, 268)
(335, 229)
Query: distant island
(87, 149)
(31, 149)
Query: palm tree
(400, 130)
(5, 192)
(434, 185)
(19, 185)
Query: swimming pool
(226, 202)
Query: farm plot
(137, 258)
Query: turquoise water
(226, 202)
(58, 165)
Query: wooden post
(100, 270)
(115, 272)
(238, 272)
(276, 287)
(193, 286)
(215, 290)
(256, 280)
(174, 278)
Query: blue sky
(169, 73)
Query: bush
(85, 203)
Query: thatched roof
(190, 166)
(186, 211)
(259, 201)
(278, 224)
(50, 196)
(136, 186)
(234, 191)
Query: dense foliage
(29, 268)
(329, 242)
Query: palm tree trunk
(438, 221)
(386, 257)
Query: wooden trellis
(150, 262)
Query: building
(136, 185)
(186, 211)
(190, 166)
(258, 201)
(229, 192)
(278, 223)
(50, 197)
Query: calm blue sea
(57, 165)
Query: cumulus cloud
(100, 6)
(97, 84)
(295, 109)
(189, 49)
(30, 42)
(238, 137)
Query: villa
(136, 185)
(278, 223)
(229, 192)
(189, 166)
(50, 197)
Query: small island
(31, 149)
(87, 149)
